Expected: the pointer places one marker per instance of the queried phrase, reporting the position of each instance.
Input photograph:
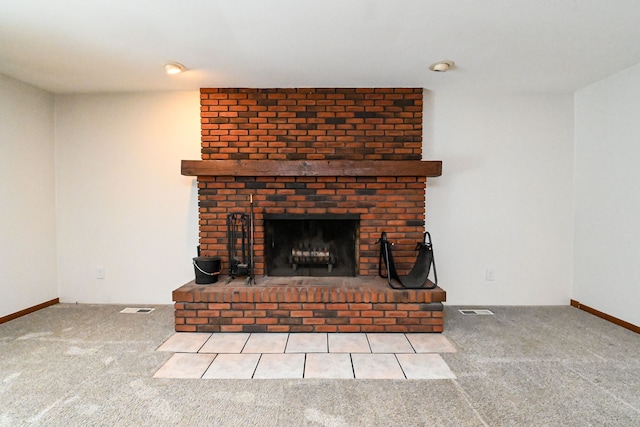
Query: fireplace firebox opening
(311, 245)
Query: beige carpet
(78, 365)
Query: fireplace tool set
(240, 244)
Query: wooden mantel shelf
(427, 168)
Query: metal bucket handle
(195, 264)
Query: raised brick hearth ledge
(307, 304)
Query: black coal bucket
(207, 269)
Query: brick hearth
(304, 304)
(312, 152)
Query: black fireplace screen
(311, 245)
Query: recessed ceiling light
(442, 66)
(174, 68)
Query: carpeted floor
(72, 365)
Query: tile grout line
(215, 356)
(410, 343)
(369, 343)
(400, 364)
(286, 343)
(205, 341)
(304, 366)
(244, 345)
(353, 369)
(256, 367)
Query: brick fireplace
(316, 153)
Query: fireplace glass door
(311, 245)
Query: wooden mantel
(427, 168)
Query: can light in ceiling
(174, 68)
(442, 66)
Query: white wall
(607, 192)
(27, 199)
(121, 202)
(504, 200)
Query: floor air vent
(137, 310)
(477, 312)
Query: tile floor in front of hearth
(306, 355)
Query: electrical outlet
(100, 273)
(490, 275)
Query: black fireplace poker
(252, 278)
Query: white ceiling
(78, 46)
